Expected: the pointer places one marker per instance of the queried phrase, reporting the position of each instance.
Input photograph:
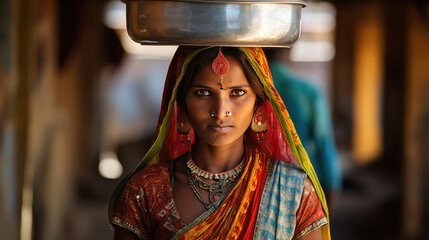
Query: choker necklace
(215, 189)
(217, 176)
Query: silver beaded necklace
(215, 189)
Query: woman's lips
(220, 128)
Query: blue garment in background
(310, 114)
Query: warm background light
(109, 166)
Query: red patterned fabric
(146, 206)
(310, 209)
(153, 215)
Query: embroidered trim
(311, 228)
(124, 224)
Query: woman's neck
(217, 159)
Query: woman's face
(204, 96)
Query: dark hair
(205, 58)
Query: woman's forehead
(235, 75)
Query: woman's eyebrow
(200, 86)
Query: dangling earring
(183, 127)
(220, 66)
(259, 124)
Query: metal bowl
(211, 22)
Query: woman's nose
(220, 107)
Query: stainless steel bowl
(210, 22)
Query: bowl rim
(299, 2)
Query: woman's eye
(203, 92)
(237, 92)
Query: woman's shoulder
(155, 173)
(310, 214)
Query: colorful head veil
(282, 141)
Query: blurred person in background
(310, 113)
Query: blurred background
(79, 103)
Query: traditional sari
(278, 195)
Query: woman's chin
(224, 140)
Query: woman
(226, 162)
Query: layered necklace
(223, 180)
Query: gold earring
(183, 127)
(259, 124)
